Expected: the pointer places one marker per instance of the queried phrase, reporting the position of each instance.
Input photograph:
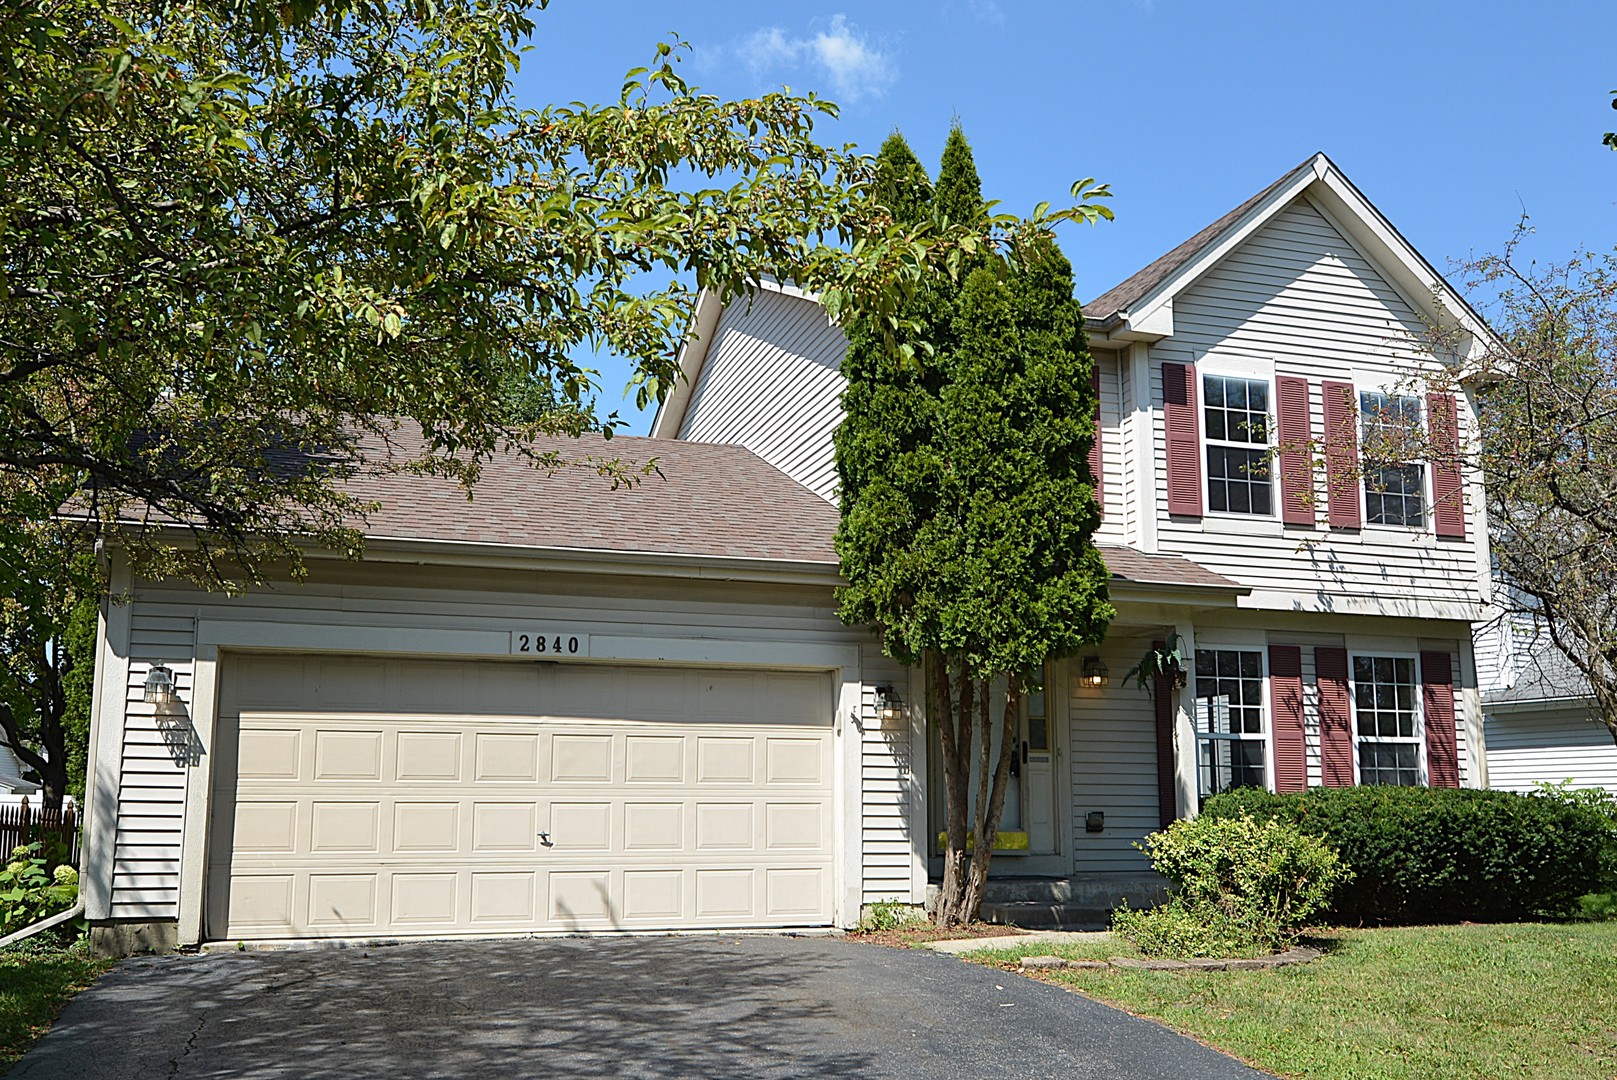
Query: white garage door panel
(359, 821)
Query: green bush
(1433, 855)
(890, 915)
(1241, 885)
(1182, 932)
(30, 890)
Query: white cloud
(854, 66)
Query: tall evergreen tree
(968, 508)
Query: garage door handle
(544, 838)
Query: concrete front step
(1032, 915)
(1081, 902)
(1100, 891)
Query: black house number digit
(538, 643)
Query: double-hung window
(1231, 733)
(1394, 488)
(1386, 713)
(1236, 425)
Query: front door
(1037, 758)
(1030, 834)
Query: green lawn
(35, 983)
(1513, 1000)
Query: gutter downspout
(45, 924)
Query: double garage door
(406, 798)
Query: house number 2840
(549, 643)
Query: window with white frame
(1394, 488)
(1386, 714)
(1235, 426)
(1231, 733)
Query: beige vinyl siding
(1112, 755)
(151, 785)
(889, 790)
(152, 779)
(1495, 667)
(1526, 748)
(771, 383)
(1299, 296)
(1114, 519)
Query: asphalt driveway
(740, 1006)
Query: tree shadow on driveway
(623, 1007)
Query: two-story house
(1323, 608)
(561, 708)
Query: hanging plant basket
(1165, 661)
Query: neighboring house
(562, 708)
(1539, 725)
(13, 787)
(1328, 618)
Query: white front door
(1032, 802)
(1037, 755)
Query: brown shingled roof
(1120, 298)
(1126, 564)
(706, 500)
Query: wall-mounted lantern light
(889, 709)
(160, 685)
(1095, 673)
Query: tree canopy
(1547, 407)
(239, 237)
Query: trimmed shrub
(1434, 855)
(1183, 933)
(1241, 885)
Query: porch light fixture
(160, 685)
(1095, 673)
(889, 708)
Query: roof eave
(632, 563)
(605, 561)
(1545, 703)
(692, 355)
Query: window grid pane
(1236, 429)
(1384, 696)
(1394, 494)
(1231, 746)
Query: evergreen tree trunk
(987, 832)
(965, 874)
(955, 783)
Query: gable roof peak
(1140, 308)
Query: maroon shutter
(1183, 430)
(1341, 454)
(1096, 451)
(1167, 782)
(1286, 691)
(1335, 717)
(1448, 500)
(1296, 433)
(1437, 701)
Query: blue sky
(1452, 118)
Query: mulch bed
(908, 937)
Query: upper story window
(1231, 732)
(1236, 431)
(1386, 714)
(1394, 491)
